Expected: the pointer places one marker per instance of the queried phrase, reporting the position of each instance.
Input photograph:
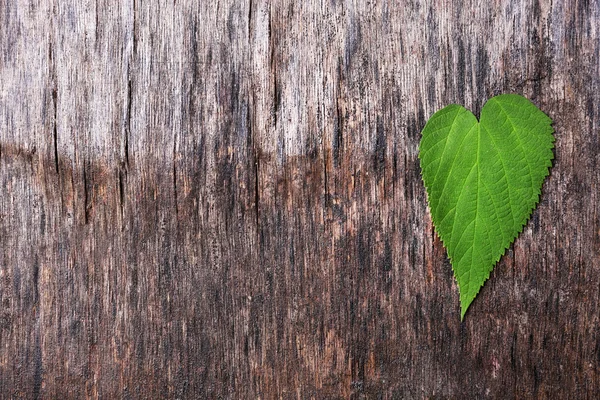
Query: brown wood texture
(222, 199)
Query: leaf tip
(463, 311)
(464, 305)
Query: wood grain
(223, 200)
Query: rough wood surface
(222, 199)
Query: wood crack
(53, 79)
(250, 21)
(86, 198)
(128, 117)
(256, 187)
(122, 192)
(175, 178)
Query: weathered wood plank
(223, 200)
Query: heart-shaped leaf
(483, 180)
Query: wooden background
(222, 199)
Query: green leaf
(483, 180)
